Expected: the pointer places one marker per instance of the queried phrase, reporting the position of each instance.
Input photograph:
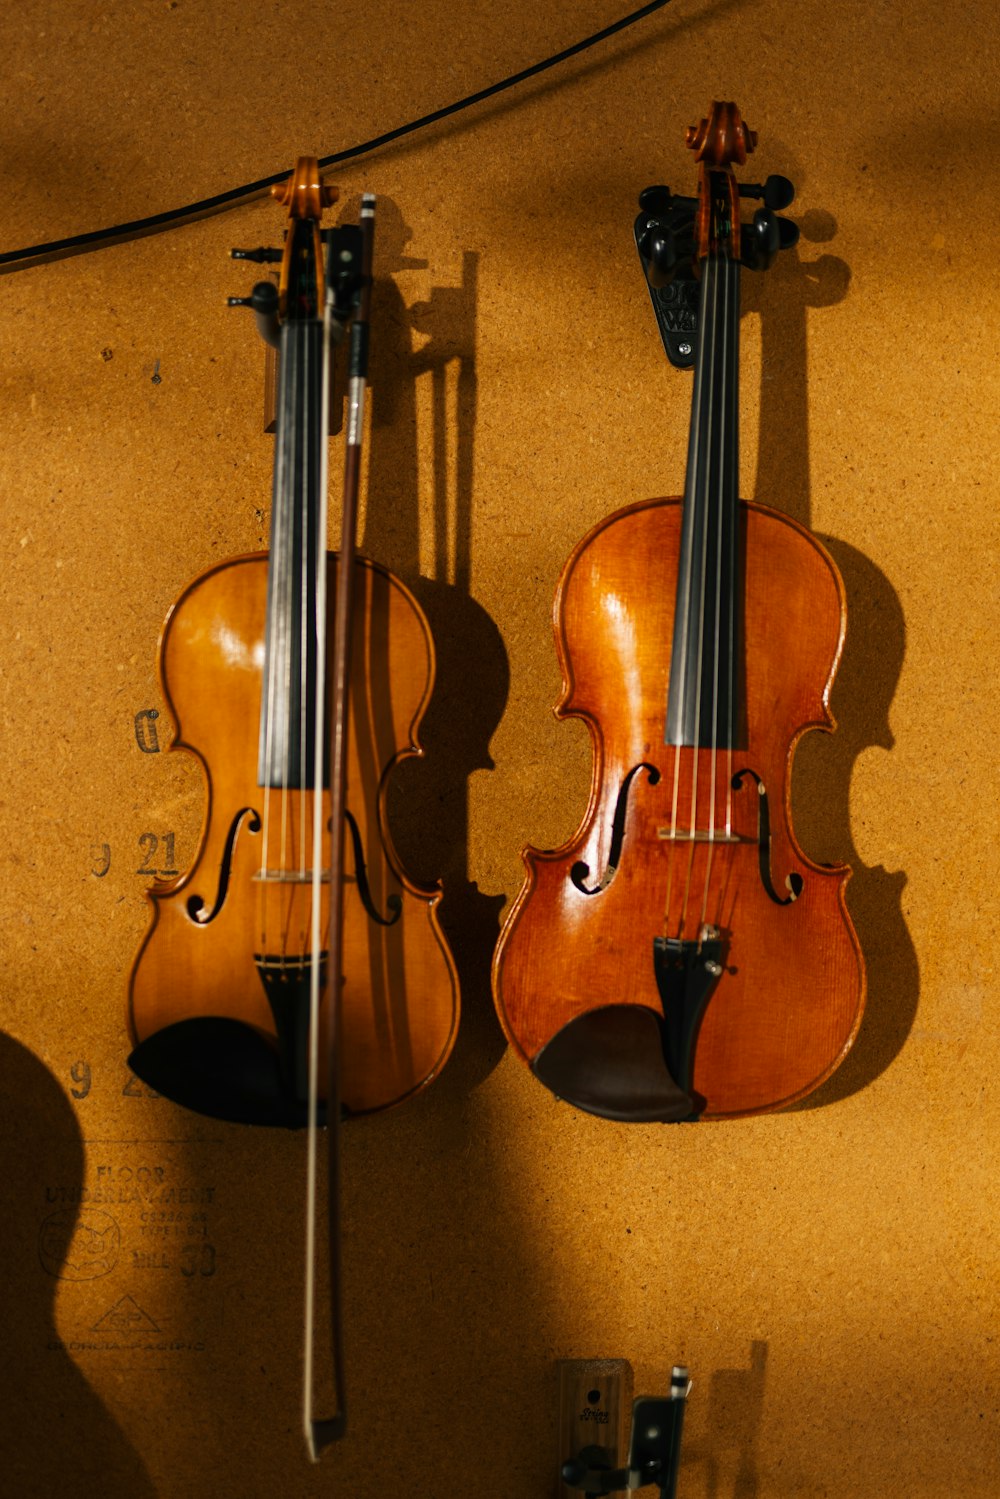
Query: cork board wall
(829, 1274)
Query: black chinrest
(221, 1068)
(611, 1062)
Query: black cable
(12, 260)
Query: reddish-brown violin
(681, 955)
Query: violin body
(210, 925)
(788, 1004)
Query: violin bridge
(290, 876)
(700, 835)
(286, 963)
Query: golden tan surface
(829, 1274)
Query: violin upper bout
(795, 608)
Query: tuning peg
(656, 200)
(777, 192)
(261, 256)
(762, 239)
(658, 249)
(264, 302)
(788, 233)
(263, 298)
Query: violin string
(300, 648)
(712, 296)
(276, 645)
(727, 464)
(695, 458)
(733, 591)
(294, 446)
(305, 592)
(96, 239)
(672, 845)
(721, 343)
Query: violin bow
(321, 1432)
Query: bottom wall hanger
(654, 1448)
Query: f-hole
(195, 904)
(393, 902)
(793, 882)
(580, 870)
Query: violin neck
(286, 755)
(705, 668)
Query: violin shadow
(782, 297)
(861, 698)
(58, 1437)
(423, 533)
(869, 669)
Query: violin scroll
(722, 138)
(305, 194)
(674, 234)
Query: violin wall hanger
(666, 238)
(654, 1453)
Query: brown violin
(681, 956)
(298, 679)
(230, 939)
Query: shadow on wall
(728, 1460)
(869, 670)
(736, 1406)
(428, 798)
(861, 698)
(58, 1438)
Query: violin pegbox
(673, 234)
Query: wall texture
(828, 1274)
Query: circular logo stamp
(82, 1246)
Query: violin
(681, 957)
(298, 679)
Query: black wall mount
(664, 238)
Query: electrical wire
(96, 239)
